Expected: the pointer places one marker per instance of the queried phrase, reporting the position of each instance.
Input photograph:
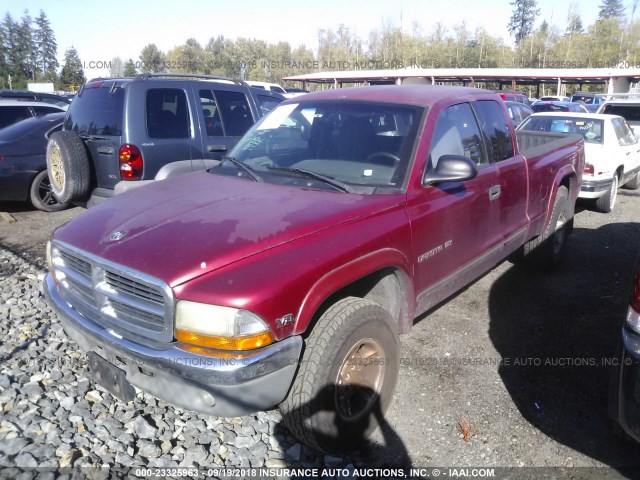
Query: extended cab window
(457, 133)
(495, 129)
(167, 113)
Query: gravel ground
(466, 396)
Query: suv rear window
(631, 113)
(98, 111)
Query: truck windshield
(365, 146)
(591, 129)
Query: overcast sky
(117, 28)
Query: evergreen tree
(129, 68)
(72, 74)
(117, 67)
(26, 49)
(522, 20)
(152, 59)
(10, 36)
(46, 48)
(611, 9)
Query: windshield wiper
(89, 136)
(343, 187)
(246, 168)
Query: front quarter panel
(297, 277)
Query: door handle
(494, 192)
(216, 148)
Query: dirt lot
(520, 359)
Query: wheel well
(385, 287)
(620, 172)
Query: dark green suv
(119, 131)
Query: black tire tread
(76, 166)
(34, 196)
(297, 405)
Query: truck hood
(181, 228)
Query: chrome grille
(112, 295)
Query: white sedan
(612, 152)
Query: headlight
(224, 328)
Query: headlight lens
(225, 328)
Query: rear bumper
(220, 386)
(595, 188)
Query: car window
(96, 111)
(10, 115)
(592, 130)
(266, 103)
(457, 133)
(212, 120)
(631, 113)
(167, 113)
(275, 88)
(623, 132)
(495, 129)
(45, 110)
(235, 112)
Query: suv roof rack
(146, 76)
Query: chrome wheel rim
(57, 170)
(45, 193)
(359, 380)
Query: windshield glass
(366, 146)
(591, 129)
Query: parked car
(554, 98)
(591, 101)
(518, 112)
(284, 274)
(518, 97)
(12, 111)
(629, 109)
(127, 129)
(272, 87)
(553, 106)
(23, 166)
(50, 98)
(612, 152)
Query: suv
(592, 101)
(51, 98)
(124, 130)
(12, 111)
(629, 109)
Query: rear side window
(167, 113)
(631, 113)
(623, 132)
(235, 112)
(495, 129)
(45, 110)
(9, 115)
(266, 103)
(97, 111)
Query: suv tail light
(131, 164)
(588, 169)
(635, 296)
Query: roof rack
(146, 76)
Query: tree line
(28, 49)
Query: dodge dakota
(284, 274)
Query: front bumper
(628, 385)
(221, 386)
(595, 188)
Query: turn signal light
(249, 342)
(131, 164)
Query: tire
(547, 250)
(633, 183)
(68, 166)
(42, 196)
(606, 202)
(328, 407)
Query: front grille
(114, 296)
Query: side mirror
(451, 168)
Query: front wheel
(346, 378)
(606, 202)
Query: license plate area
(110, 377)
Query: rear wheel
(633, 183)
(606, 202)
(41, 195)
(68, 166)
(346, 379)
(547, 250)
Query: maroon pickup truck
(283, 275)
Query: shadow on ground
(563, 331)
